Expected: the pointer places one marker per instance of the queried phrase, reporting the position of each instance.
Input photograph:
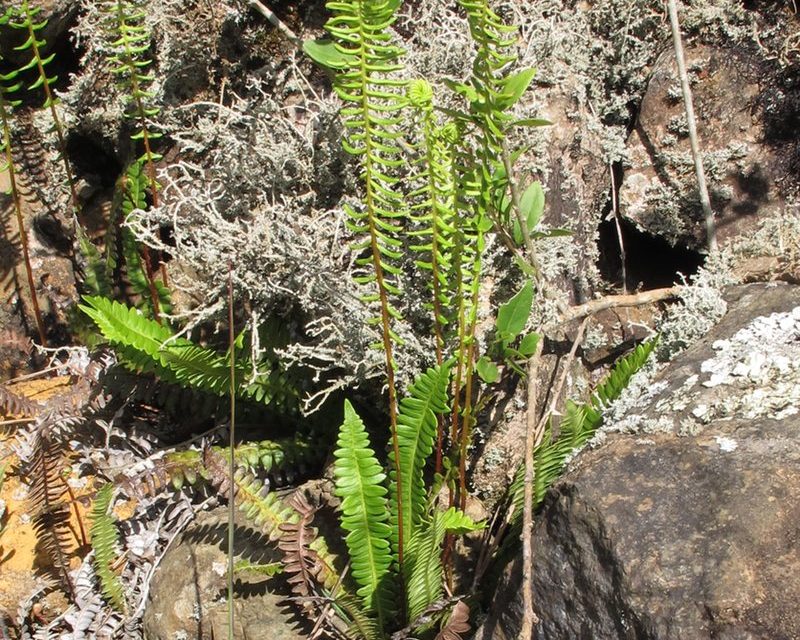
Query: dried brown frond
(301, 564)
(457, 625)
(17, 405)
(50, 509)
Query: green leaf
(531, 208)
(527, 347)
(513, 315)
(326, 54)
(487, 370)
(514, 86)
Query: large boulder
(683, 522)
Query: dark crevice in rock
(650, 262)
(93, 159)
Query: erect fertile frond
(104, 543)
(367, 83)
(423, 569)
(365, 515)
(416, 434)
(433, 210)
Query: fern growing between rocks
(104, 543)
(131, 41)
(9, 84)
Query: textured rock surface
(187, 597)
(743, 161)
(658, 535)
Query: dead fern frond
(16, 340)
(301, 563)
(14, 404)
(457, 625)
(50, 510)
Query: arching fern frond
(416, 433)
(104, 543)
(147, 346)
(365, 516)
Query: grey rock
(743, 155)
(188, 592)
(660, 536)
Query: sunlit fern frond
(367, 82)
(423, 572)
(104, 543)
(433, 210)
(365, 516)
(147, 346)
(416, 431)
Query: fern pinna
(9, 85)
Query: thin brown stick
(529, 617)
(84, 541)
(562, 379)
(705, 201)
(232, 456)
(614, 302)
(276, 22)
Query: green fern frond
(104, 543)
(367, 83)
(423, 571)
(365, 516)
(130, 44)
(433, 210)
(416, 433)
(23, 18)
(147, 346)
(578, 424)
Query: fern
(146, 346)
(365, 516)
(416, 433)
(578, 425)
(104, 543)
(23, 18)
(435, 202)
(423, 571)
(9, 85)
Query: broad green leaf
(325, 53)
(531, 207)
(514, 86)
(487, 370)
(513, 315)
(527, 346)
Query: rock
(188, 592)
(688, 528)
(744, 156)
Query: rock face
(686, 528)
(188, 593)
(744, 158)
